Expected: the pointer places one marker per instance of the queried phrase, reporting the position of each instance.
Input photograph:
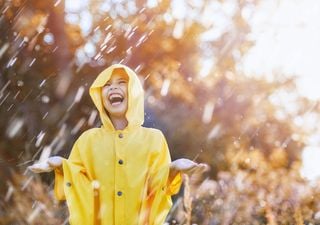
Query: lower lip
(116, 103)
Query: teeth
(115, 98)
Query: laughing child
(120, 173)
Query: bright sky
(287, 34)
(288, 40)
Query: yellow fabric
(135, 192)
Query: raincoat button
(120, 135)
(120, 161)
(119, 193)
(68, 184)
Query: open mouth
(116, 99)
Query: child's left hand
(187, 166)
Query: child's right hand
(50, 164)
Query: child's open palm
(47, 165)
(187, 166)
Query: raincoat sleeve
(73, 185)
(160, 188)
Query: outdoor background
(233, 84)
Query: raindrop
(78, 126)
(165, 87)
(207, 112)
(25, 185)
(107, 39)
(99, 55)
(111, 49)
(147, 76)
(20, 83)
(55, 49)
(40, 138)
(142, 10)
(45, 115)
(4, 88)
(178, 29)
(57, 3)
(9, 107)
(141, 40)
(16, 95)
(108, 27)
(31, 63)
(37, 47)
(34, 214)
(92, 117)
(138, 68)
(42, 83)
(9, 193)
(103, 48)
(5, 10)
(130, 35)
(22, 43)
(45, 99)
(12, 62)
(14, 127)
(215, 132)
(4, 98)
(3, 49)
(79, 94)
(97, 28)
(128, 51)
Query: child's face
(115, 94)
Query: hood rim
(135, 113)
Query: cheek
(104, 96)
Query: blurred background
(231, 83)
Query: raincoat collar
(135, 112)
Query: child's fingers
(55, 161)
(34, 169)
(204, 167)
(40, 168)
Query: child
(119, 173)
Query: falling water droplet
(207, 112)
(165, 87)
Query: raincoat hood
(135, 112)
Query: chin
(117, 113)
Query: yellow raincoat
(129, 167)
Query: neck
(119, 123)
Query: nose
(113, 86)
